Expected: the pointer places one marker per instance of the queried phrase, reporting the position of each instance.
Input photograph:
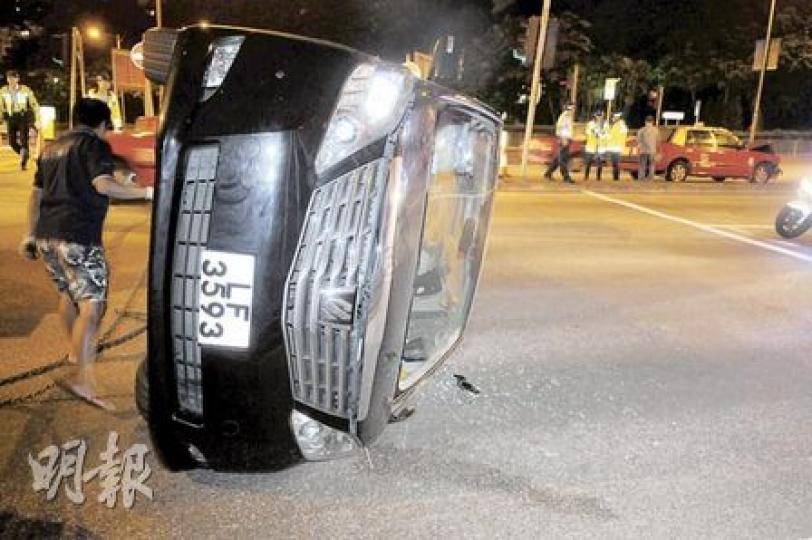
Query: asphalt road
(644, 366)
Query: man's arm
(28, 248)
(33, 210)
(34, 104)
(106, 185)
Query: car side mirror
(159, 48)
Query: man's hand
(28, 248)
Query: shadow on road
(25, 301)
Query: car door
(700, 148)
(733, 161)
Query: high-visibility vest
(595, 137)
(18, 101)
(617, 137)
(112, 101)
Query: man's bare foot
(85, 393)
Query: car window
(666, 133)
(699, 138)
(727, 140)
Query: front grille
(321, 295)
(191, 237)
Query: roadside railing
(786, 142)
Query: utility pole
(660, 97)
(158, 14)
(762, 73)
(77, 70)
(574, 91)
(535, 88)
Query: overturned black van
(319, 228)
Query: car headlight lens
(224, 51)
(370, 106)
(319, 442)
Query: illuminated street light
(94, 33)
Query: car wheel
(719, 178)
(634, 174)
(677, 171)
(762, 173)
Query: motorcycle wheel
(790, 223)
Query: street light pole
(762, 73)
(535, 88)
(158, 14)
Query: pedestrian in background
(563, 131)
(648, 142)
(617, 134)
(20, 111)
(595, 144)
(103, 92)
(66, 212)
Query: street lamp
(94, 33)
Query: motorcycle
(319, 228)
(795, 218)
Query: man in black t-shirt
(67, 208)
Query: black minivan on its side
(319, 228)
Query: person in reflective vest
(616, 142)
(595, 144)
(104, 93)
(563, 131)
(20, 111)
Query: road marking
(702, 227)
(741, 226)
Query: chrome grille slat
(191, 236)
(334, 248)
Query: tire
(142, 390)
(677, 171)
(762, 173)
(634, 174)
(719, 178)
(788, 223)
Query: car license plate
(225, 297)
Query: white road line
(741, 226)
(702, 227)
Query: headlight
(224, 51)
(806, 187)
(319, 442)
(369, 107)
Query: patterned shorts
(79, 270)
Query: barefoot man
(67, 208)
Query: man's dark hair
(649, 118)
(91, 113)
(13, 73)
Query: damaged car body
(319, 229)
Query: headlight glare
(806, 186)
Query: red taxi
(708, 152)
(137, 148)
